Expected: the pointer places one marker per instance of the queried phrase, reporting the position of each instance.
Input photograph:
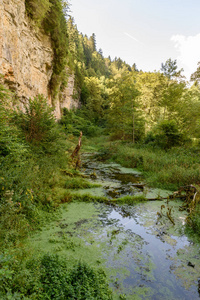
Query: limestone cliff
(26, 57)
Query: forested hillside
(148, 120)
(133, 105)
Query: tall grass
(165, 169)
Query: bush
(49, 277)
(37, 121)
(73, 122)
(32, 152)
(81, 282)
(38, 126)
(165, 135)
(37, 10)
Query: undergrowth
(164, 169)
(79, 183)
(49, 277)
(32, 154)
(35, 176)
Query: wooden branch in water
(170, 218)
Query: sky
(144, 32)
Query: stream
(144, 256)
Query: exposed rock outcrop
(26, 57)
(68, 98)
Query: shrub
(81, 282)
(37, 121)
(165, 135)
(37, 10)
(74, 122)
(32, 151)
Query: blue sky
(145, 32)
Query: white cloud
(188, 48)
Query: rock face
(26, 57)
(67, 97)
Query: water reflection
(147, 259)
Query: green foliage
(124, 120)
(37, 121)
(165, 135)
(169, 68)
(37, 10)
(78, 183)
(82, 282)
(6, 272)
(88, 198)
(9, 133)
(164, 169)
(55, 24)
(194, 220)
(189, 111)
(151, 87)
(49, 277)
(130, 199)
(50, 15)
(196, 75)
(32, 151)
(95, 100)
(169, 135)
(74, 122)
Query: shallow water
(153, 262)
(117, 181)
(149, 255)
(144, 256)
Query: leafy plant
(81, 282)
(166, 135)
(37, 121)
(37, 10)
(32, 152)
(74, 122)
